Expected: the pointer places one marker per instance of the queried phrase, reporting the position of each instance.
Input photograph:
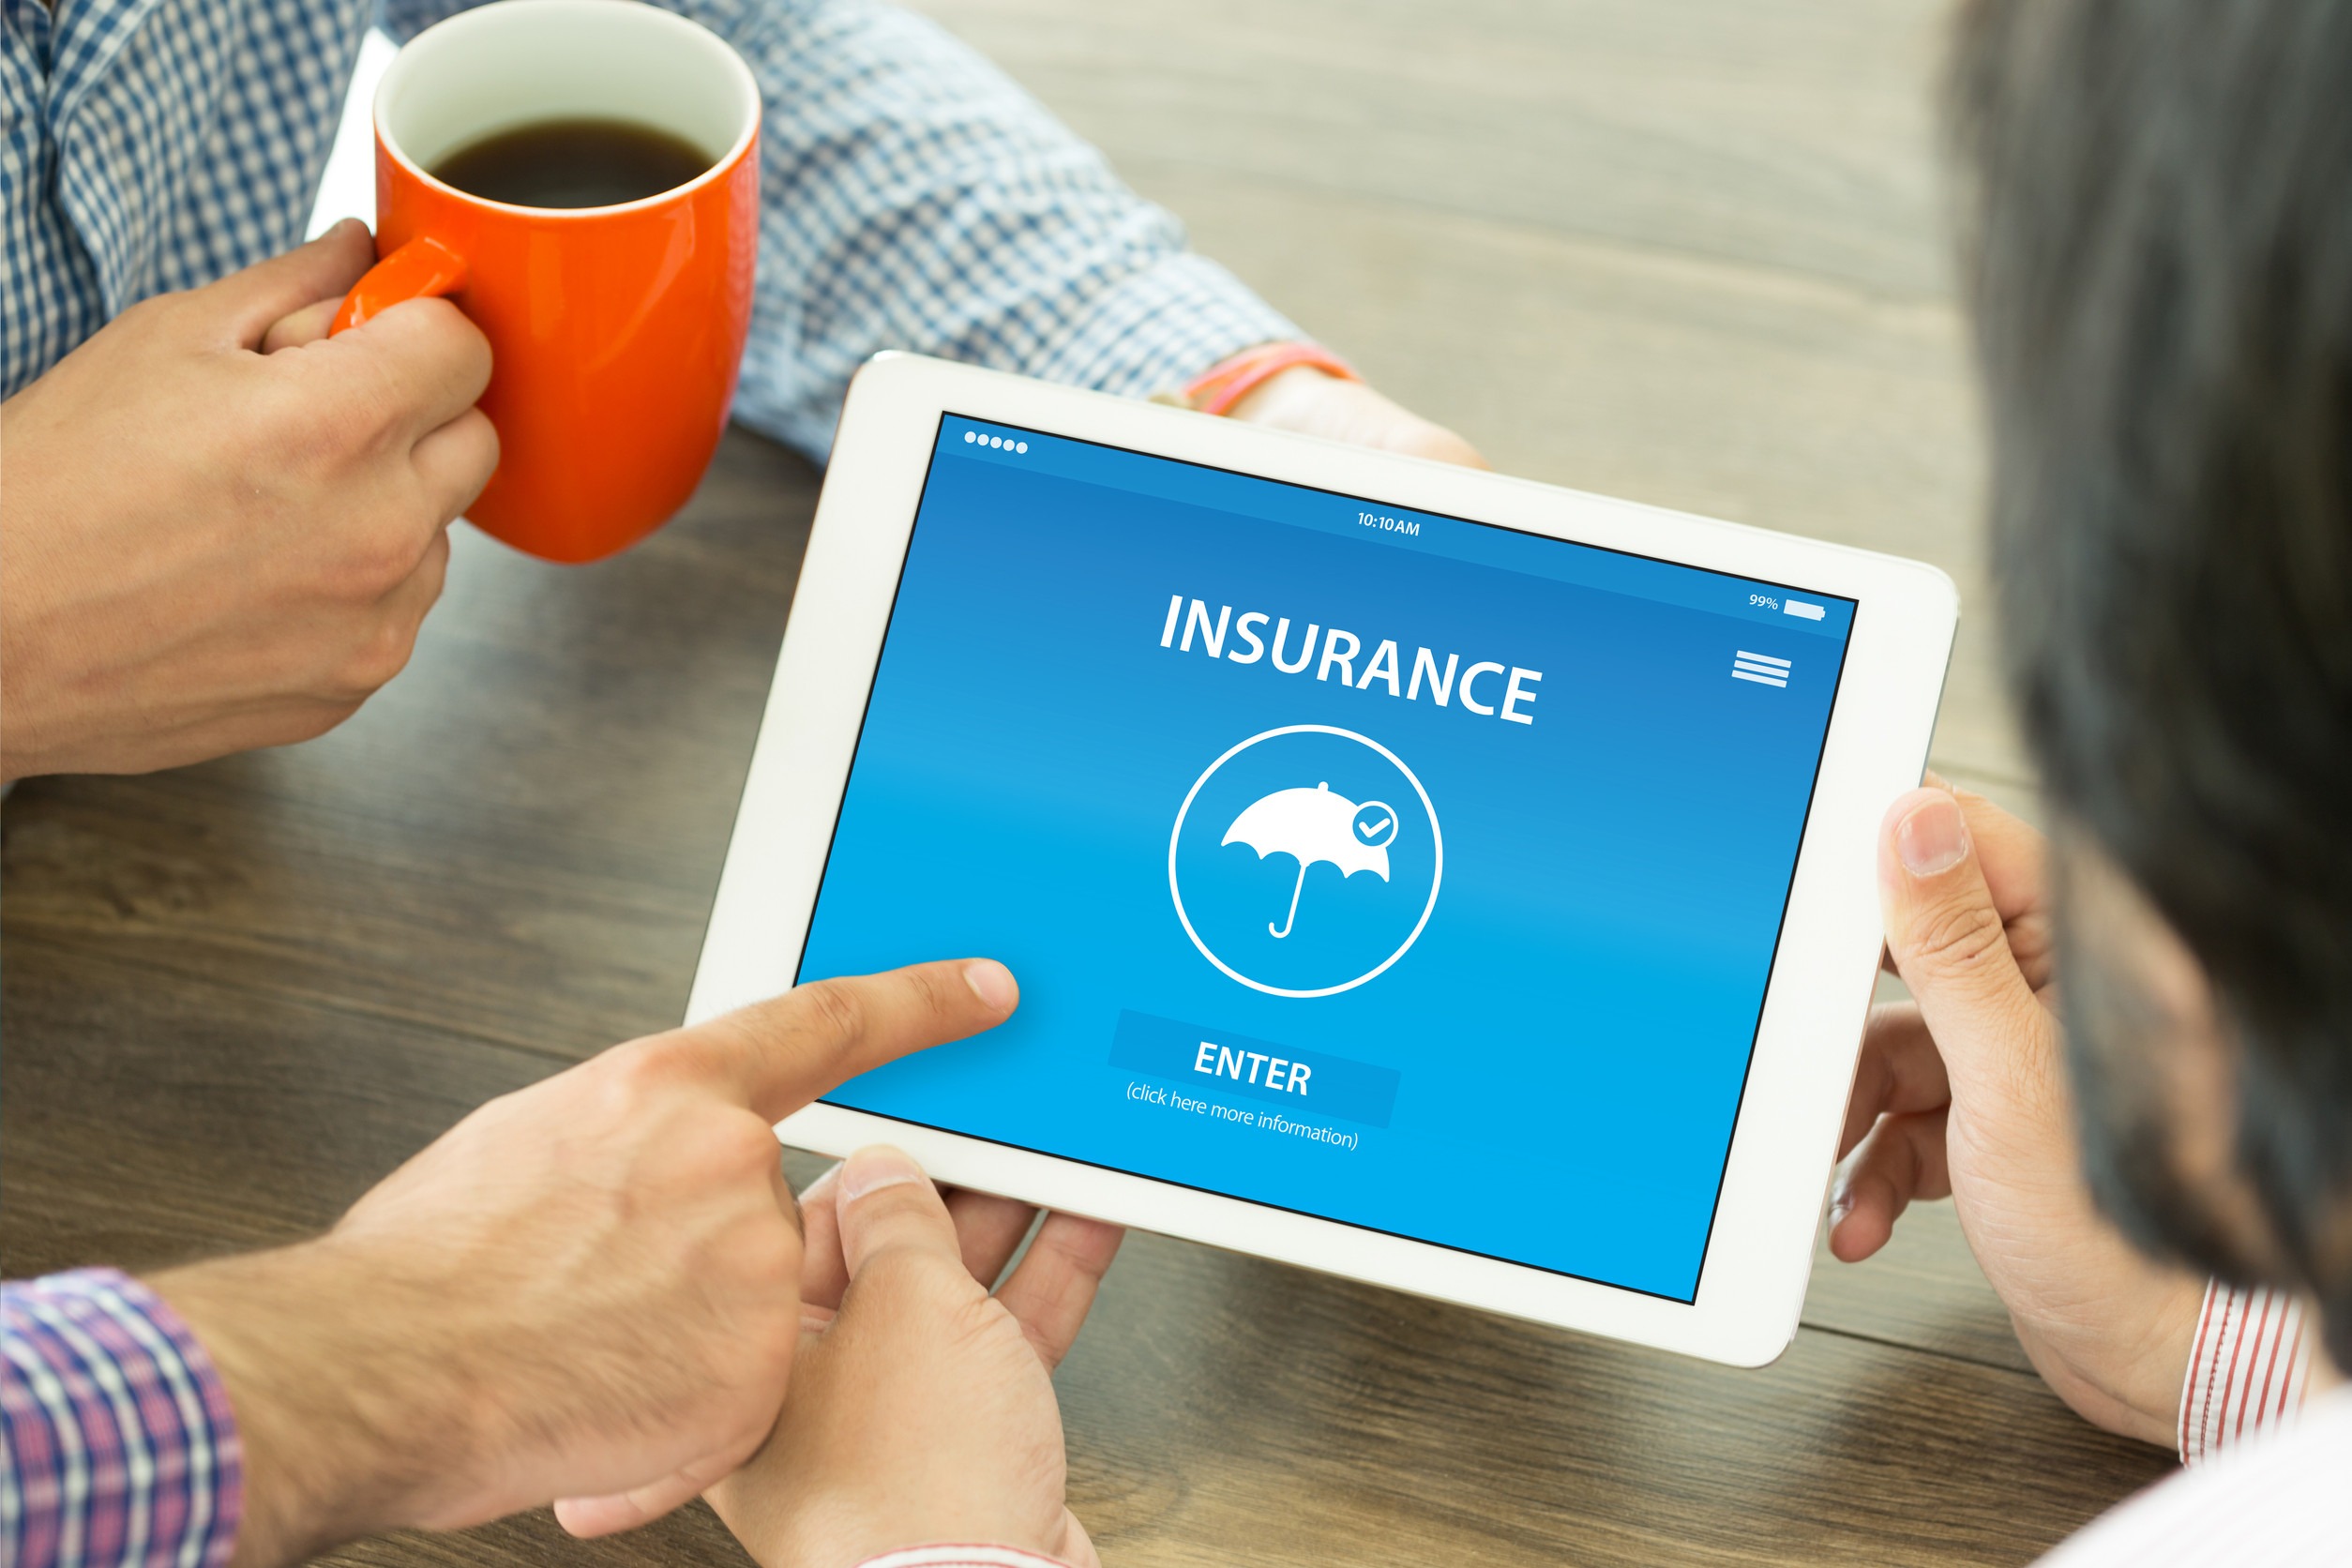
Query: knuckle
(771, 1259)
(383, 652)
(380, 556)
(1957, 939)
(931, 994)
(481, 439)
(833, 1010)
(746, 1146)
(638, 1070)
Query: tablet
(1438, 879)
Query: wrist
(1241, 382)
(344, 1408)
(2124, 1372)
(1265, 401)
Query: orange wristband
(1216, 390)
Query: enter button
(1227, 1064)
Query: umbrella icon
(1315, 824)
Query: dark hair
(2157, 207)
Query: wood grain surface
(1684, 250)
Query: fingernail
(1841, 1204)
(870, 1171)
(993, 983)
(1932, 837)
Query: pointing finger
(779, 1054)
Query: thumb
(249, 303)
(888, 1205)
(1951, 947)
(588, 1518)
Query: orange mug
(615, 332)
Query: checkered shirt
(915, 198)
(116, 1444)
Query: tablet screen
(1408, 872)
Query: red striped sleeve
(2248, 1367)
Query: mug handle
(421, 269)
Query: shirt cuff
(961, 1557)
(1158, 328)
(2247, 1370)
(119, 1444)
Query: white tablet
(1438, 879)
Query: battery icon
(1802, 610)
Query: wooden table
(1686, 252)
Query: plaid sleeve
(2248, 1367)
(914, 198)
(117, 1442)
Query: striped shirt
(913, 197)
(2249, 1368)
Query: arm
(915, 198)
(584, 1294)
(1962, 1094)
(912, 197)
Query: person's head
(2157, 204)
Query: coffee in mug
(574, 163)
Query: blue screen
(1397, 868)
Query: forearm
(345, 1413)
(915, 198)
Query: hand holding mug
(616, 329)
(212, 546)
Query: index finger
(776, 1056)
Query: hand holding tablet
(1347, 817)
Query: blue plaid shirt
(915, 198)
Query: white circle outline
(1437, 874)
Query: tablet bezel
(1759, 1254)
